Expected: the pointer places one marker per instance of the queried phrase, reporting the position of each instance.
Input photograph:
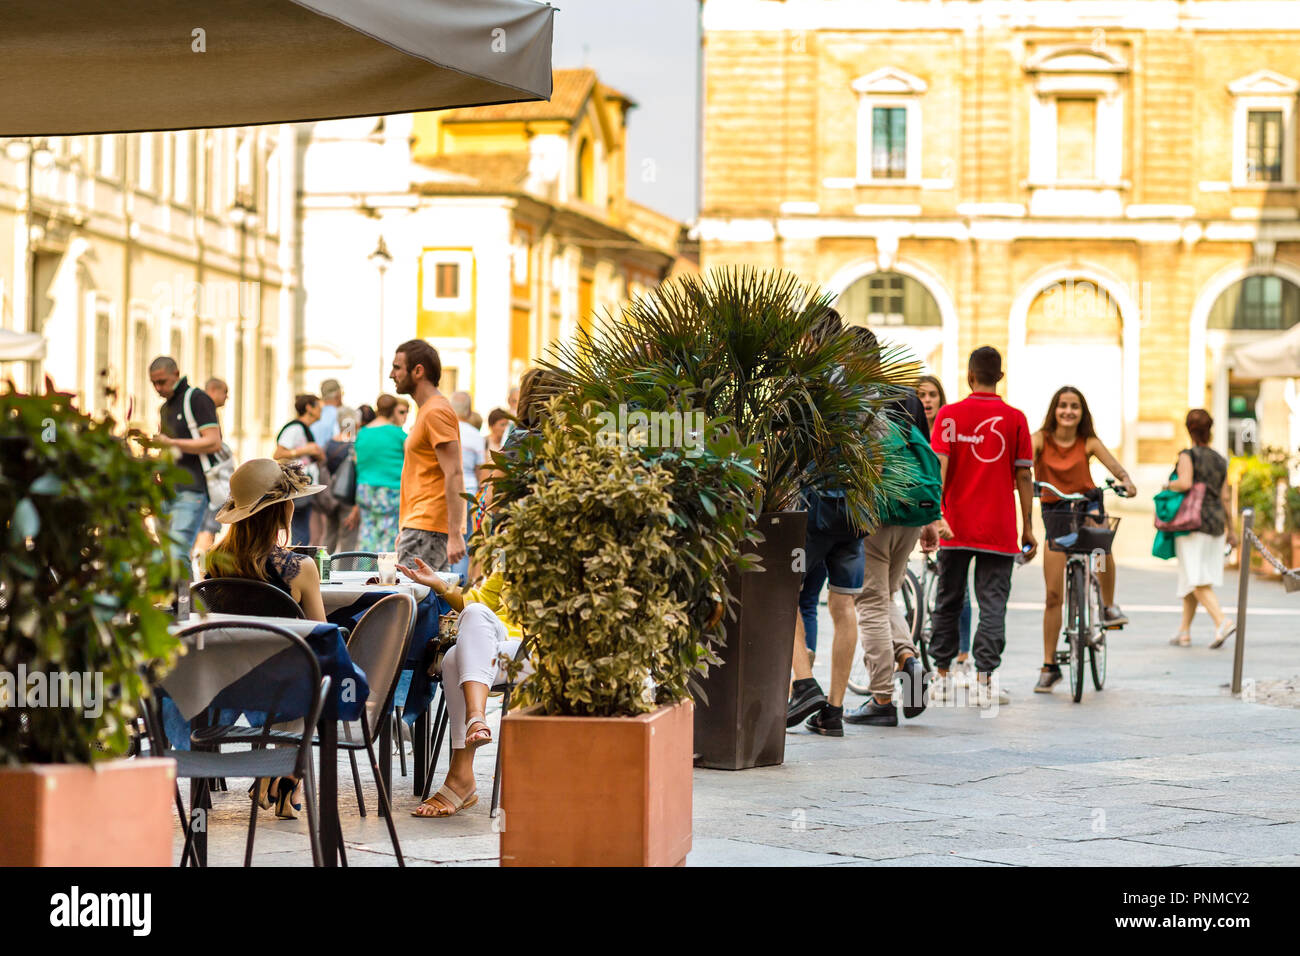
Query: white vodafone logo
(986, 428)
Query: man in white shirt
(473, 452)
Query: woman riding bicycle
(1063, 448)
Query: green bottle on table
(323, 565)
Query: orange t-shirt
(424, 486)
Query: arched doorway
(1257, 306)
(1077, 327)
(902, 309)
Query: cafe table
(191, 687)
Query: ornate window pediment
(1074, 59)
(1264, 83)
(891, 81)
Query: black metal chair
(285, 685)
(442, 718)
(355, 561)
(378, 646)
(243, 596)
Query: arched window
(888, 299)
(1257, 303)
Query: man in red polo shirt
(985, 454)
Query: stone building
(1106, 192)
(120, 248)
(505, 227)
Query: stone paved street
(1162, 768)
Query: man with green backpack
(905, 519)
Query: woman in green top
(381, 448)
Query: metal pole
(1243, 583)
(381, 329)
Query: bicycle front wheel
(1077, 627)
(912, 601)
(1097, 646)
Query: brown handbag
(1188, 517)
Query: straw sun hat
(260, 483)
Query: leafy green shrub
(1257, 485)
(600, 568)
(79, 574)
(748, 348)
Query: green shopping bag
(1167, 505)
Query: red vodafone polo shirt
(985, 440)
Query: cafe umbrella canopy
(86, 66)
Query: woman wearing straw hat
(259, 512)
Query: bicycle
(1087, 544)
(915, 597)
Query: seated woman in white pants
(473, 667)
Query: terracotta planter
(596, 791)
(742, 723)
(119, 813)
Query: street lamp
(38, 155)
(382, 259)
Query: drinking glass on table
(387, 567)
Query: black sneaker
(875, 713)
(1046, 680)
(916, 688)
(1113, 617)
(807, 698)
(829, 722)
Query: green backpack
(919, 503)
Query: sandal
(1222, 634)
(452, 803)
(477, 738)
(1181, 639)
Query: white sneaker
(941, 690)
(984, 695)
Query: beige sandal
(452, 803)
(477, 738)
(1181, 639)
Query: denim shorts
(845, 560)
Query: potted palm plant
(619, 595)
(754, 351)
(80, 574)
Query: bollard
(1243, 582)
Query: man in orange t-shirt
(432, 513)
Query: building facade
(1107, 192)
(121, 248)
(489, 231)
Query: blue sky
(648, 49)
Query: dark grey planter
(742, 724)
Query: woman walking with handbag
(1200, 550)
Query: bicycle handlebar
(1092, 494)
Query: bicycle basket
(1089, 531)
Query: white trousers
(481, 639)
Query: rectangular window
(1076, 139)
(889, 142)
(209, 357)
(146, 170)
(182, 148)
(268, 386)
(106, 156)
(103, 330)
(142, 357)
(1264, 146)
(447, 282)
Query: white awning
(89, 66)
(21, 346)
(1277, 357)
